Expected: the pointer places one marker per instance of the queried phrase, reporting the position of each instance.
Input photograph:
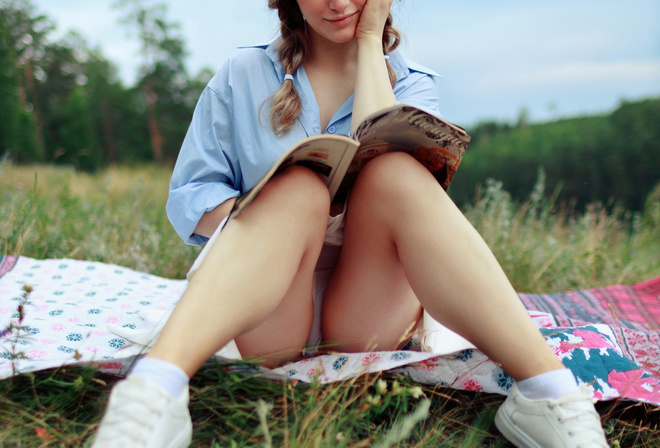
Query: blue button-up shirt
(230, 144)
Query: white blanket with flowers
(69, 312)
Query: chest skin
(331, 90)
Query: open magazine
(337, 159)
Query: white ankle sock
(548, 385)
(167, 375)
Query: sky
(551, 59)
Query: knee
(396, 177)
(304, 192)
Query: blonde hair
(286, 103)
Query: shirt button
(332, 130)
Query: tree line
(612, 158)
(62, 102)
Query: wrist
(370, 43)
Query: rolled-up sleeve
(206, 173)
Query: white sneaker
(570, 421)
(141, 414)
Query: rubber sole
(512, 433)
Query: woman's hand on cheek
(372, 19)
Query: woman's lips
(342, 21)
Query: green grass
(545, 247)
(117, 216)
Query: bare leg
(255, 284)
(405, 238)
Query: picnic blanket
(78, 313)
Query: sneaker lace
(581, 418)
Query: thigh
(282, 264)
(369, 303)
(282, 335)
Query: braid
(391, 40)
(286, 104)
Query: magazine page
(326, 155)
(322, 154)
(434, 142)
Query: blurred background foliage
(613, 158)
(62, 102)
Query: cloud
(526, 34)
(569, 73)
(496, 56)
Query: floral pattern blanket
(64, 312)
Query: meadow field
(117, 216)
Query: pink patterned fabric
(631, 312)
(635, 307)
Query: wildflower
(416, 392)
(98, 381)
(381, 386)
(373, 399)
(396, 388)
(42, 433)
(27, 288)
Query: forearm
(210, 220)
(373, 90)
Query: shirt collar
(272, 49)
(273, 53)
(401, 65)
